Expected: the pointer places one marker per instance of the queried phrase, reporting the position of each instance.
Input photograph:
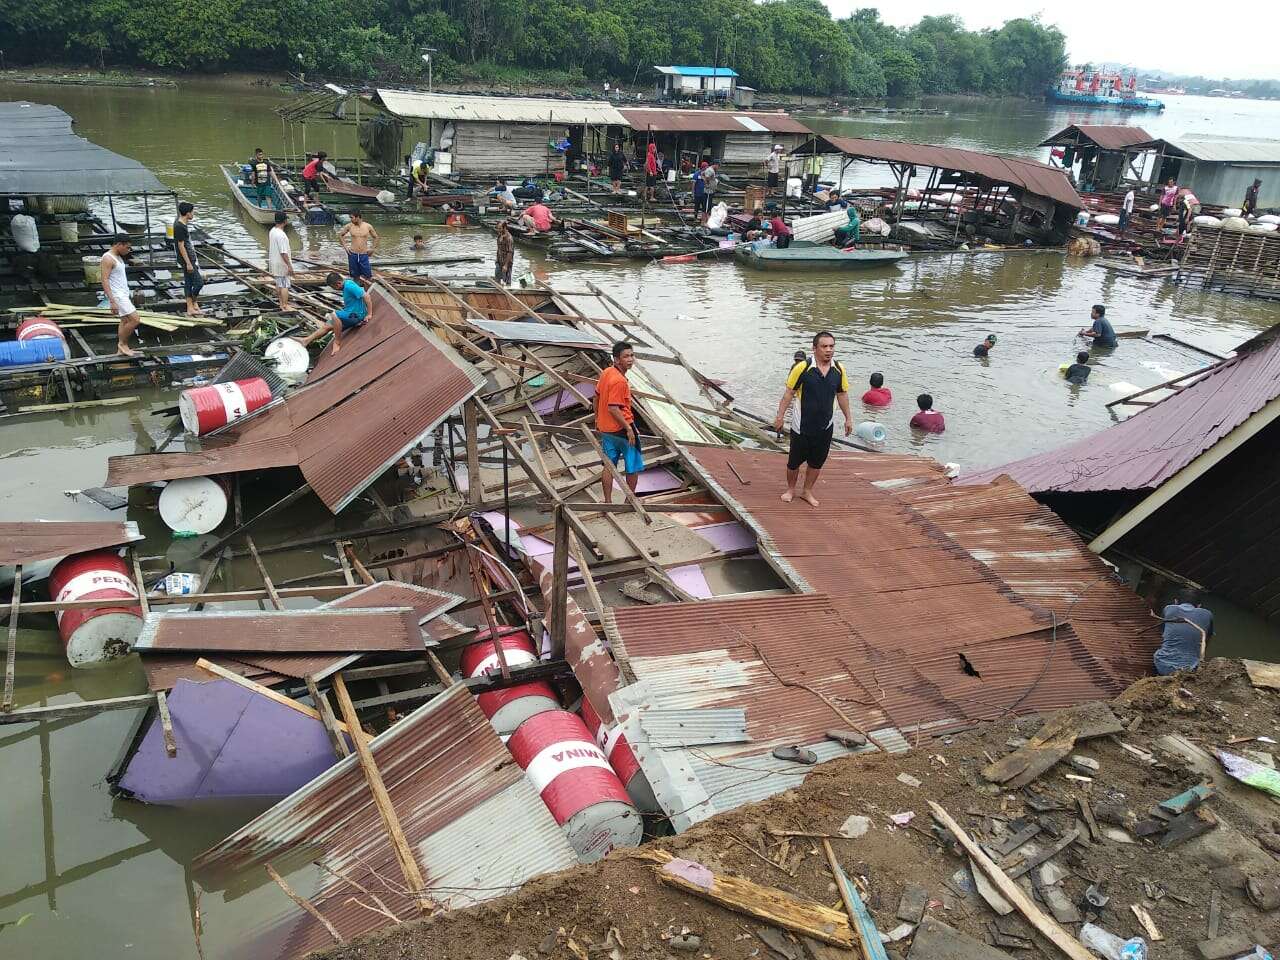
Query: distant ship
(1089, 88)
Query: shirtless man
(359, 239)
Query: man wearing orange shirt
(615, 420)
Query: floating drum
(611, 739)
(511, 706)
(194, 504)
(17, 353)
(205, 409)
(290, 358)
(577, 784)
(35, 327)
(94, 635)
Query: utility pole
(426, 58)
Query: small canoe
(247, 196)
(803, 255)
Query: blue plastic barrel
(17, 353)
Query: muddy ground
(570, 914)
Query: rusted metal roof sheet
(712, 121)
(1108, 136)
(450, 780)
(425, 602)
(28, 541)
(389, 386)
(1144, 451)
(1037, 178)
(284, 631)
(164, 670)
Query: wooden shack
(489, 137)
(1101, 156)
(737, 138)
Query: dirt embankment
(1174, 720)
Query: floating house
(696, 83)
(1100, 156)
(731, 137)
(1219, 169)
(1182, 486)
(499, 136)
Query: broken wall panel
(284, 631)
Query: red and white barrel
(205, 409)
(195, 504)
(37, 326)
(511, 706)
(573, 775)
(94, 635)
(610, 739)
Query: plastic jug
(870, 432)
(1108, 945)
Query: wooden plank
(475, 485)
(11, 650)
(1046, 925)
(390, 821)
(559, 585)
(774, 906)
(141, 583)
(87, 708)
(860, 921)
(166, 724)
(1263, 674)
(1148, 925)
(1047, 853)
(272, 594)
(336, 739)
(220, 671)
(618, 479)
(303, 902)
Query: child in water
(1079, 371)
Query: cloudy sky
(1227, 38)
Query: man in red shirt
(780, 231)
(616, 422)
(928, 419)
(538, 218)
(878, 395)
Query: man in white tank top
(115, 284)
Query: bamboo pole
(11, 651)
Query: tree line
(777, 45)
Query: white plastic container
(180, 584)
(869, 431)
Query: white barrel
(194, 504)
(289, 357)
(70, 231)
(869, 431)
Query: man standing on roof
(359, 239)
(772, 164)
(616, 422)
(115, 286)
(819, 383)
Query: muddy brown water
(108, 877)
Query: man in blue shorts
(359, 239)
(357, 310)
(615, 420)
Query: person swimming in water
(1079, 371)
(984, 348)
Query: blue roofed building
(696, 83)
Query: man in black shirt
(818, 384)
(191, 279)
(984, 348)
(1078, 372)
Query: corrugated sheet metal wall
(754, 147)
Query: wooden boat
(806, 255)
(247, 196)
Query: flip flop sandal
(795, 754)
(847, 738)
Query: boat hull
(263, 215)
(801, 256)
(1091, 100)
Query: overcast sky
(1226, 38)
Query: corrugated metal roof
(1144, 451)
(1037, 178)
(360, 412)
(283, 631)
(28, 541)
(40, 155)
(1108, 136)
(426, 603)
(715, 121)
(164, 670)
(1226, 149)
(450, 106)
(698, 71)
(450, 780)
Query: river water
(107, 877)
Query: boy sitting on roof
(357, 310)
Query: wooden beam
(390, 821)
(166, 724)
(303, 902)
(142, 584)
(222, 672)
(262, 571)
(559, 584)
(87, 708)
(11, 651)
(618, 479)
(475, 486)
(860, 920)
(1045, 924)
(336, 739)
